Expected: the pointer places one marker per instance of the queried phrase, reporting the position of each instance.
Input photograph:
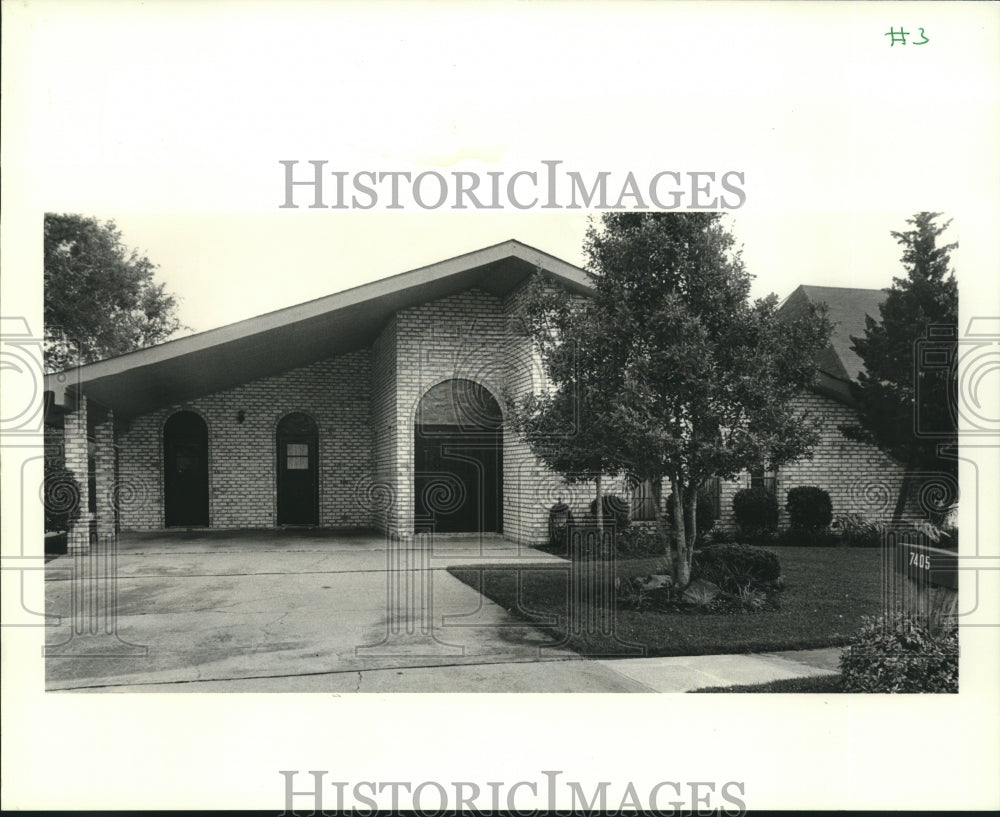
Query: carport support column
(76, 448)
(104, 474)
(405, 471)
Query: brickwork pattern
(529, 487)
(532, 488)
(859, 477)
(382, 499)
(75, 451)
(462, 336)
(364, 404)
(242, 455)
(104, 474)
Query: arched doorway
(458, 459)
(185, 478)
(298, 470)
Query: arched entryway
(185, 478)
(298, 470)
(458, 459)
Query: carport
(172, 607)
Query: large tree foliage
(907, 405)
(686, 377)
(100, 296)
(567, 426)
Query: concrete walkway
(313, 611)
(680, 674)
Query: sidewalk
(674, 674)
(686, 673)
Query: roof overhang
(834, 387)
(183, 369)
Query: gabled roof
(198, 364)
(185, 368)
(846, 307)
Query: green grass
(821, 683)
(827, 592)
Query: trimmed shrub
(735, 567)
(62, 499)
(560, 516)
(756, 509)
(809, 508)
(615, 510)
(901, 654)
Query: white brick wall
(364, 404)
(476, 336)
(859, 477)
(383, 498)
(463, 336)
(242, 456)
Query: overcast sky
(182, 147)
(226, 268)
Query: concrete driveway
(309, 610)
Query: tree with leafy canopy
(566, 427)
(100, 296)
(905, 407)
(689, 380)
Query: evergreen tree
(907, 407)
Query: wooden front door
(458, 459)
(185, 478)
(458, 479)
(298, 471)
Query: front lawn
(819, 683)
(827, 591)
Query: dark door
(458, 479)
(185, 484)
(298, 471)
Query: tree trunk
(682, 569)
(600, 510)
(904, 489)
(690, 528)
(600, 517)
(660, 525)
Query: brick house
(859, 478)
(377, 407)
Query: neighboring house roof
(182, 369)
(846, 307)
